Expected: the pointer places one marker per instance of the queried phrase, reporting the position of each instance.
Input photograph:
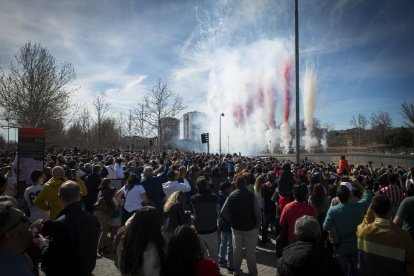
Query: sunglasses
(22, 219)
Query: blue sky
(363, 51)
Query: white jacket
(172, 186)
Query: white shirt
(111, 172)
(29, 195)
(133, 199)
(119, 171)
(172, 186)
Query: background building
(193, 125)
(170, 130)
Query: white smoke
(324, 141)
(286, 136)
(309, 87)
(239, 66)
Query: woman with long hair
(140, 249)
(321, 203)
(131, 196)
(185, 257)
(174, 214)
(106, 193)
(260, 180)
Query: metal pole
(297, 81)
(8, 132)
(228, 144)
(221, 115)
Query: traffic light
(204, 138)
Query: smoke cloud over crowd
(247, 74)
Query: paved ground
(265, 257)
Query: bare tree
(381, 123)
(74, 134)
(160, 102)
(101, 107)
(85, 123)
(408, 113)
(35, 91)
(141, 126)
(360, 122)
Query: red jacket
(343, 164)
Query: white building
(193, 125)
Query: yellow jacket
(48, 198)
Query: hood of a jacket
(299, 255)
(56, 181)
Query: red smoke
(286, 102)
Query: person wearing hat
(344, 218)
(352, 198)
(307, 256)
(383, 248)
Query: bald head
(69, 192)
(58, 171)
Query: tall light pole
(221, 115)
(8, 132)
(297, 81)
(228, 143)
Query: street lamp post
(297, 81)
(8, 132)
(228, 143)
(221, 115)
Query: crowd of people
(181, 213)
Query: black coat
(306, 258)
(73, 242)
(92, 183)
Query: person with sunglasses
(15, 238)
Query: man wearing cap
(345, 217)
(383, 248)
(307, 256)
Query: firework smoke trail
(309, 87)
(234, 61)
(324, 141)
(285, 127)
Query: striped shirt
(384, 249)
(394, 193)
